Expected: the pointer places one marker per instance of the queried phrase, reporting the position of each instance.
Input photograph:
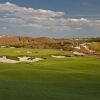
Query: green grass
(73, 78)
(35, 52)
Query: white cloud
(12, 8)
(40, 19)
(4, 28)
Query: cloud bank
(40, 22)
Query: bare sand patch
(78, 53)
(28, 59)
(4, 59)
(54, 56)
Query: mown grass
(34, 52)
(73, 78)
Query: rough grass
(95, 46)
(73, 78)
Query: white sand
(58, 56)
(23, 59)
(26, 59)
(4, 59)
(77, 47)
(78, 53)
(37, 59)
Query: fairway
(73, 78)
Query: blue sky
(86, 8)
(66, 18)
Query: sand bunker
(4, 59)
(28, 59)
(54, 56)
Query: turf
(73, 78)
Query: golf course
(70, 78)
(49, 49)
